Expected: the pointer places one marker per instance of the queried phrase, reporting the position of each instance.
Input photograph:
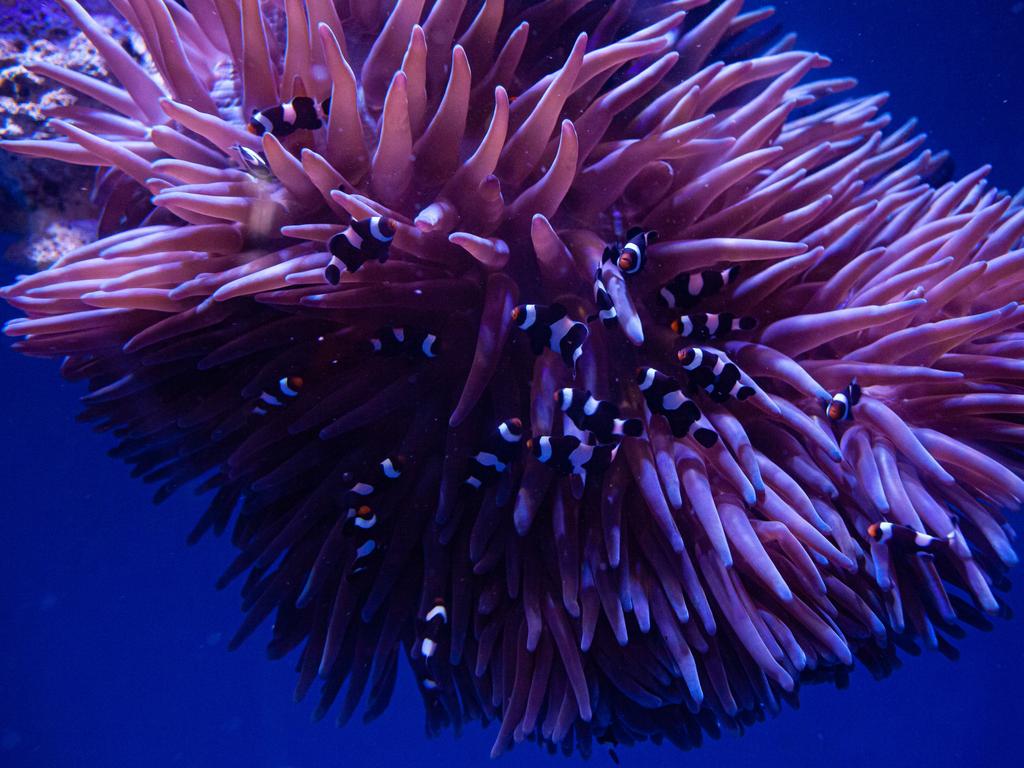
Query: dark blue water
(112, 638)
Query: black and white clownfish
(432, 625)
(598, 417)
(606, 311)
(395, 341)
(685, 290)
(359, 527)
(704, 326)
(715, 374)
(664, 396)
(550, 326)
(360, 518)
(907, 538)
(384, 473)
(302, 113)
(840, 407)
(253, 163)
(364, 240)
(632, 257)
(500, 450)
(287, 389)
(569, 456)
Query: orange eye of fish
(626, 261)
(516, 313)
(835, 411)
(677, 327)
(295, 382)
(873, 530)
(364, 511)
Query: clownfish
(392, 342)
(906, 537)
(632, 257)
(253, 163)
(360, 519)
(664, 397)
(385, 473)
(434, 621)
(364, 240)
(598, 417)
(569, 456)
(606, 311)
(715, 374)
(840, 407)
(498, 452)
(685, 290)
(704, 326)
(300, 114)
(550, 326)
(287, 389)
(358, 526)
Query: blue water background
(112, 638)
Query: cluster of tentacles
(365, 431)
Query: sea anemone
(587, 354)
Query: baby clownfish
(392, 342)
(598, 417)
(364, 240)
(360, 518)
(385, 473)
(300, 114)
(500, 450)
(715, 374)
(664, 396)
(704, 326)
(550, 326)
(606, 311)
(685, 290)
(633, 255)
(359, 523)
(287, 388)
(840, 407)
(905, 536)
(569, 456)
(433, 622)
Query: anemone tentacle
(805, 404)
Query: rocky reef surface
(44, 205)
